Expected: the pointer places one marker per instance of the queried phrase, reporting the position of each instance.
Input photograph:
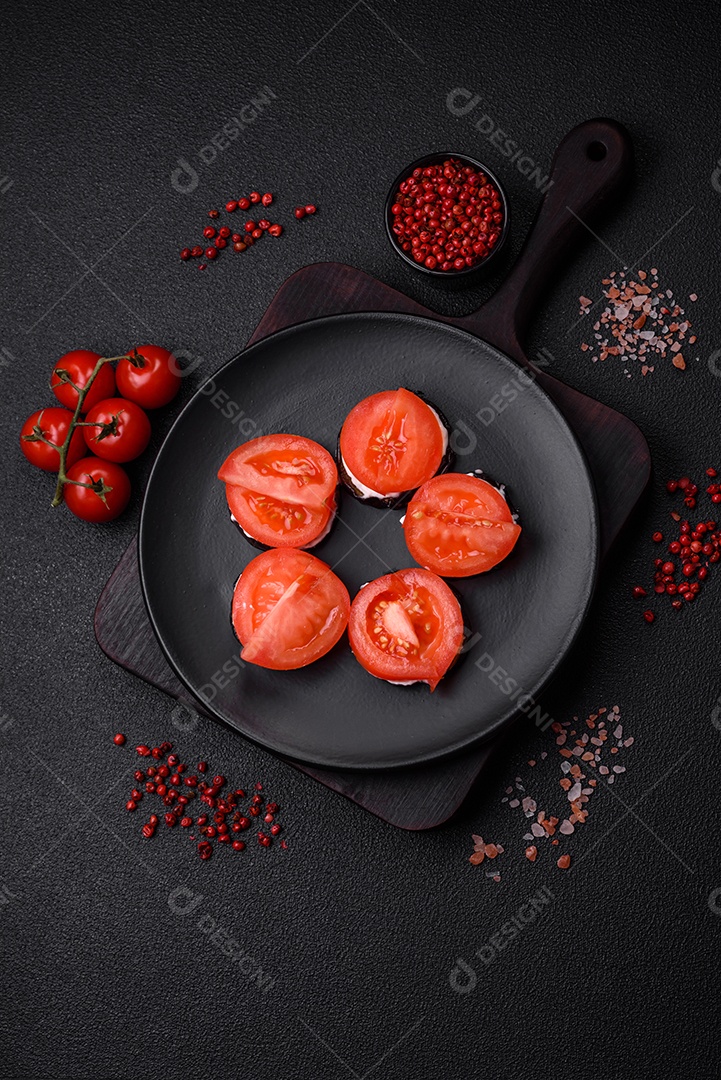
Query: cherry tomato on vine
(107, 492)
(54, 424)
(121, 430)
(79, 365)
(155, 383)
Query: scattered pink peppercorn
(267, 199)
(223, 829)
(231, 206)
(119, 739)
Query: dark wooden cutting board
(591, 164)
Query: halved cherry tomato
(289, 609)
(458, 525)
(101, 490)
(79, 366)
(281, 489)
(121, 430)
(406, 627)
(54, 425)
(155, 383)
(392, 443)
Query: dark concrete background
(359, 924)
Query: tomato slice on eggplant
(278, 524)
(289, 609)
(390, 444)
(406, 627)
(281, 489)
(458, 526)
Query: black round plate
(522, 616)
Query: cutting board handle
(591, 164)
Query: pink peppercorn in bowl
(459, 212)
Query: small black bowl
(436, 159)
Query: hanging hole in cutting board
(596, 151)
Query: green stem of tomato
(75, 423)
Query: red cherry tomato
(391, 443)
(155, 383)
(458, 525)
(54, 424)
(289, 609)
(406, 627)
(122, 430)
(79, 365)
(108, 494)
(281, 489)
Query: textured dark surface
(356, 921)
